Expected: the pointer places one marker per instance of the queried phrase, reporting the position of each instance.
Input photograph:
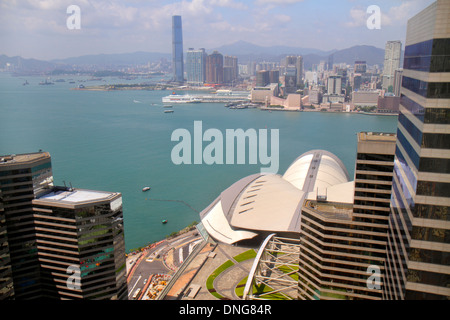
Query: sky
(38, 28)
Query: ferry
(168, 111)
(178, 98)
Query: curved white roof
(272, 203)
(217, 226)
(297, 171)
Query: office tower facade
(392, 54)
(177, 50)
(334, 85)
(417, 264)
(330, 62)
(360, 66)
(214, 68)
(196, 66)
(80, 243)
(274, 76)
(262, 78)
(45, 229)
(343, 238)
(398, 76)
(22, 178)
(6, 280)
(299, 66)
(231, 69)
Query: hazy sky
(37, 28)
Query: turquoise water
(107, 141)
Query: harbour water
(121, 141)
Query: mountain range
(244, 51)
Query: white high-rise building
(392, 56)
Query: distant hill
(30, 65)
(244, 51)
(115, 59)
(243, 48)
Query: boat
(168, 111)
(168, 106)
(178, 98)
(45, 83)
(146, 188)
(164, 221)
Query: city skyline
(39, 29)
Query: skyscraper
(44, 230)
(343, 237)
(196, 66)
(81, 230)
(23, 177)
(299, 65)
(417, 264)
(392, 55)
(177, 49)
(214, 68)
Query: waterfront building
(45, 230)
(365, 98)
(23, 177)
(263, 94)
(417, 264)
(83, 230)
(177, 50)
(392, 54)
(196, 66)
(245, 211)
(214, 68)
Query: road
(164, 258)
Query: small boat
(146, 188)
(164, 221)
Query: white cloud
(394, 16)
(277, 2)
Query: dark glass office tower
(23, 177)
(6, 281)
(177, 49)
(418, 249)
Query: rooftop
(23, 158)
(376, 136)
(70, 197)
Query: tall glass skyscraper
(196, 66)
(418, 248)
(177, 49)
